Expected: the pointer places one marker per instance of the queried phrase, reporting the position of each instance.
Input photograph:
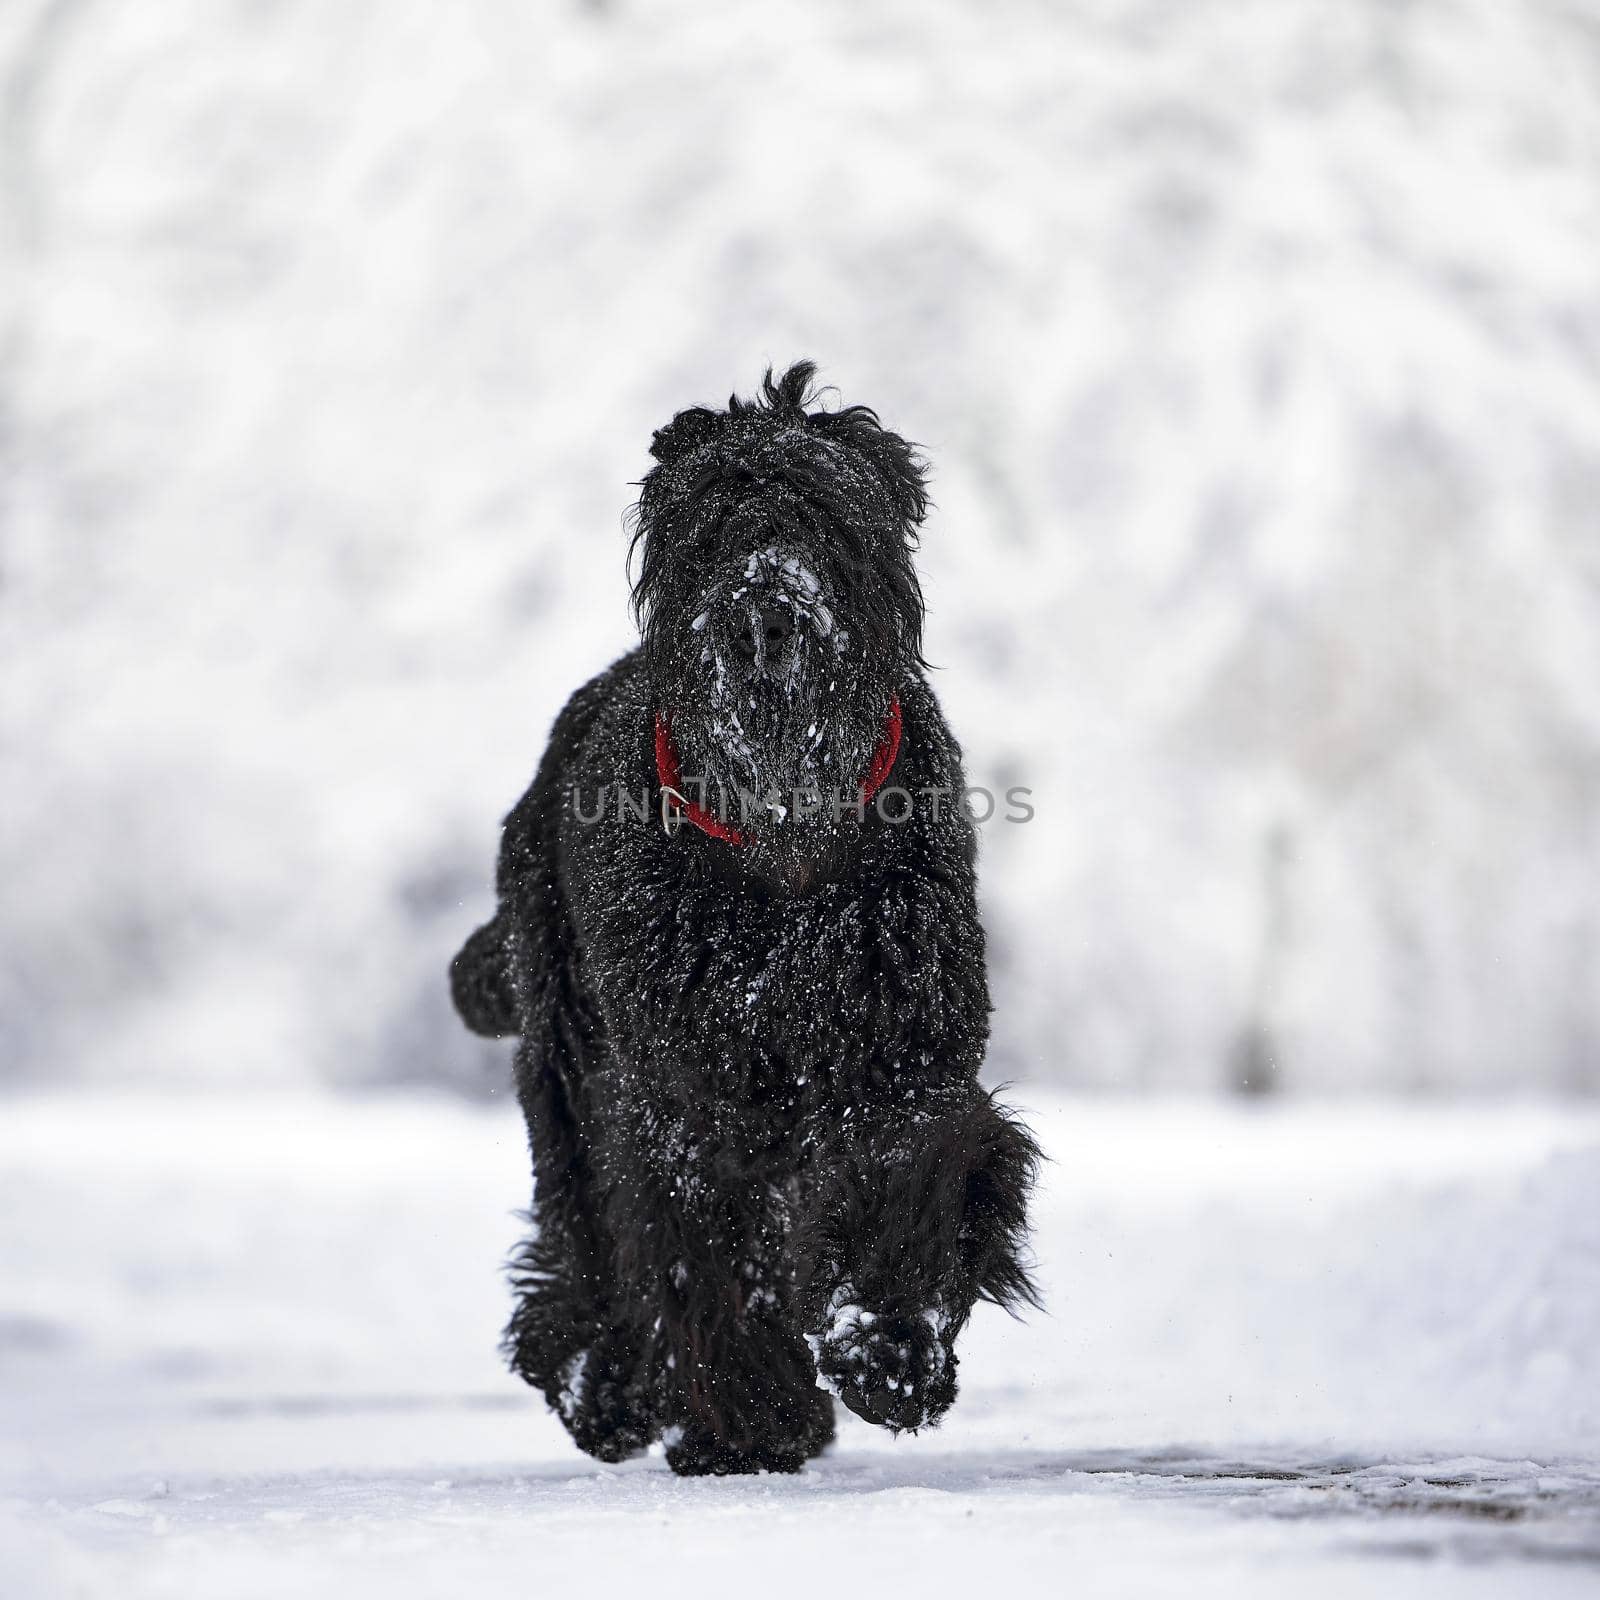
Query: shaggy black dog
(738, 938)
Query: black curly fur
(750, 1072)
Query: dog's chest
(719, 990)
(760, 1003)
(782, 980)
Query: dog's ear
(893, 460)
(686, 430)
(906, 475)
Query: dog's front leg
(702, 1255)
(740, 1379)
(920, 1210)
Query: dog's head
(775, 589)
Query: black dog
(738, 936)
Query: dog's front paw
(601, 1398)
(896, 1370)
(694, 1452)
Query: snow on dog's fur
(764, 1167)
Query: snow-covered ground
(247, 1348)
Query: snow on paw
(894, 1370)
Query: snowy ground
(246, 1348)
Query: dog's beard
(786, 771)
(788, 724)
(779, 752)
(775, 731)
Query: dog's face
(777, 597)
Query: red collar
(670, 777)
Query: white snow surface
(1255, 345)
(247, 1349)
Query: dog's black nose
(766, 633)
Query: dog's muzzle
(764, 620)
(763, 637)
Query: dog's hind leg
(918, 1213)
(591, 1368)
(570, 1336)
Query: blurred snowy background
(1256, 347)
